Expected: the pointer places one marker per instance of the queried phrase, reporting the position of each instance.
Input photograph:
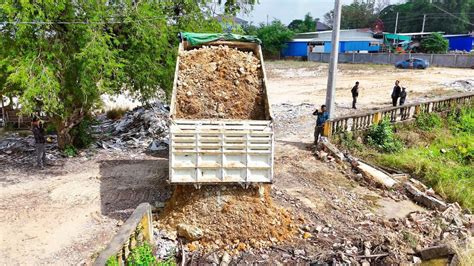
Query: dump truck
(219, 150)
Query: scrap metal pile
(16, 149)
(140, 128)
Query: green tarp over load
(201, 38)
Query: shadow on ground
(127, 183)
(305, 146)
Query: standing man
(355, 94)
(323, 115)
(396, 93)
(403, 96)
(40, 142)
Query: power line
(452, 15)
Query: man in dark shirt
(355, 94)
(323, 115)
(40, 142)
(403, 96)
(396, 93)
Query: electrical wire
(452, 15)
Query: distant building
(350, 41)
(321, 26)
(460, 42)
(233, 19)
(229, 23)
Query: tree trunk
(64, 138)
(64, 127)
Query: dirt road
(67, 213)
(305, 82)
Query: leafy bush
(347, 139)
(381, 137)
(70, 151)
(429, 121)
(462, 120)
(50, 128)
(274, 37)
(142, 255)
(112, 261)
(435, 44)
(116, 113)
(82, 133)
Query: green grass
(446, 165)
(442, 155)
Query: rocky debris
(220, 82)
(191, 233)
(165, 243)
(436, 252)
(285, 115)
(466, 85)
(425, 199)
(376, 175)
(145, 127)
(232, 218)
(226, 259)
(333, 150)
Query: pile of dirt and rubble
(220, 82)
(226, 217)
(466, 85)
(145, 127)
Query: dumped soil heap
(220, 82)
(229, 217)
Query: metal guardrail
(396, 114)
(133, 233)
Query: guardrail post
(377, 118)
(417, 110)
(147, 228)
(327, 129)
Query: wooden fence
(395, 114)
(133, 233)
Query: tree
(61, 56)
(306, 25)
(435, 43)
(359, 14)
(274, 37)
(449, 16)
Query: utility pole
(423, 27)
(331, 88)
(267, 19)
(3, 111)
(396, 24)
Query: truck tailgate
(224, 151)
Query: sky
(288, 10)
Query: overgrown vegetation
(442, 156)
(70, 151)
(381, 137)
(142, 256)
(116, 113)
(428, 121)
(435, 44)
(81, 133)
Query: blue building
(351, 41)
(460, 42)
(296, 48)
